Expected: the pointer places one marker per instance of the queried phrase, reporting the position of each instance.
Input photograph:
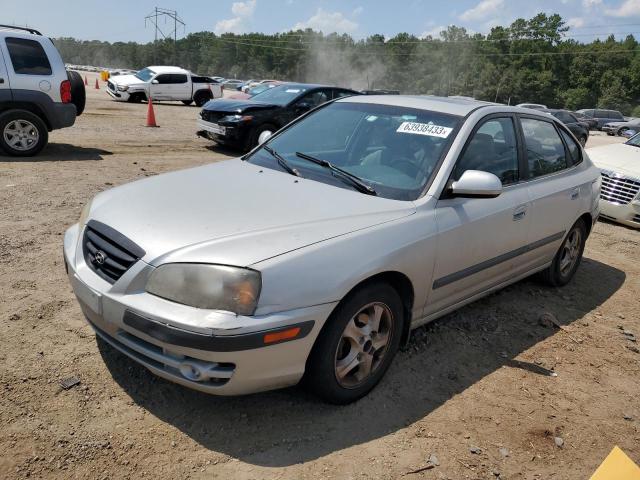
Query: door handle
(519, 213)
(1, 80)
(575, 194)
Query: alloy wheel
(363, 345)
(570, 251)
(21, 135)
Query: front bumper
(628, 214)
(609, 130)
(235, 136)
(211, 351)
(118, 95)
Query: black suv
(579, 129)
(246, 123)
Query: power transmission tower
(168, 16)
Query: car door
(479, 239)
(160, 87)
(27, 66)
(180, 87)
(554, 187)
(5, 86)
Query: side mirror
(477, 184)
(154, 82)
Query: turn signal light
(288, 334)
(65, 91)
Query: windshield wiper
(354, 180)
(282, 162)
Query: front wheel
(357, 345)
(22, 133)
(187, 102)
(568, 257)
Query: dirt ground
(486, 389)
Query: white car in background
(620, 167)
(164, 83)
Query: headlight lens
(236, 118)
(84, 215)
(214, 287)
(123, 88)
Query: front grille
(209, 116)
(618, 189)
(107, 252)
(636, 218)
(111, 86)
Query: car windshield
(281, 95)
(145, 74)
(258, 89)
(635, 140)
(395, 150)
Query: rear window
(545, 150)
(615, 115)
(28, 57)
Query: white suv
(37, 94)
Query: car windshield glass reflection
(635, 141)
(281, 95)
(394, 150)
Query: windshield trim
(461, 120)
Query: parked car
(617, 128)
(316, 254)
(602, 116)
(232, 84)
(591, 122)
(37, 93)
(121, 71)
(163, 83)
(579, 129)
(245, 123)
(253, 91)
(533, 106)
(619, 164)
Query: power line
(170, 15)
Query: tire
(559, 274)
(30, 125)
(78, 93)
(187, 102)
(202, 96)
(344, 342)
(254, 138)
(137, 97)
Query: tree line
(531, 60)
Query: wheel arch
(28, 106)
(588, 222)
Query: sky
(124, 20)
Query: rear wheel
(357, 345)
(78, 93)
(568, 257)
(22, 133)
(202, 96)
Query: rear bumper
(62, 115)
(628, 214)
(210, 351)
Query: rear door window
(573, 147)
(545, 151)
(28, 57)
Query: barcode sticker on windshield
(424, 129)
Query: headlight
(123, 88)
(84, 215)
(215, 287)
(236, 118)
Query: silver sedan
(316, 254)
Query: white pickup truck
(164, 83)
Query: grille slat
(618, 189)
(107, 252)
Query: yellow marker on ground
(617, 466)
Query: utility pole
(168, 15)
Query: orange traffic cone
(86, 82)
(151, 116)
(97, 86)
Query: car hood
(126, 80)
(236, 213)
(232, 105)
(619, 158)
